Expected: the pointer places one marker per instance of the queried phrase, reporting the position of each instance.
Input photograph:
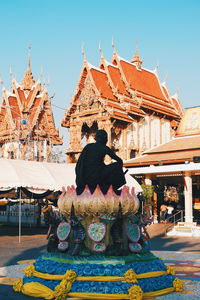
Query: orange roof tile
(21, 95)
(117, 81)
(14, 107)
(142, 80)
(34, 109)
(101, 82)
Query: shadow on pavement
(165, 243)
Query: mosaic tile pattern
(186, 264)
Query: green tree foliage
(147, 193)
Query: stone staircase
(185, 229)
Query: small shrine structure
(27, 127)
(126, 100)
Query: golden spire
(136, 59)
(28, 81)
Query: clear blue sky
(168, 32)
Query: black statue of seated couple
(92, 171)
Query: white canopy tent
(35, 175)
(41, 176)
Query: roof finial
(83, 52)
(156, 67)
(136, 59)
(10, 72)
(100, 49)
(41, 73)
(29, 56)
(136, 48)
(165, 78)
(1, 80)
(113, 44)
(28, 81)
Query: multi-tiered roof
(26, 112)
(125, 90)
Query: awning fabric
(42, 176)
(33, 175)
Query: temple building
(175, 166)
(27, 127)
(126, 100)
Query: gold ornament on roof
(28, 81)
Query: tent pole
(20, 215)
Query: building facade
(175, 165)
(27, 127)
(126, 100)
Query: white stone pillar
(188, 198)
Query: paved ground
(182, 253)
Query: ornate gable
(26, 118)
(28, 80)
(87, 95)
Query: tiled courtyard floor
(183, 255)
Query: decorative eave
(176, 103)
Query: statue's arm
(112, 154)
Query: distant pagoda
(27, 127)
(126, 100)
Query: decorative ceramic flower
(133, 232)
(62, 246)
(99, 247)
(135, 247)
(63, 231)
(97, 231)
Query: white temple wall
(155, 132)
(165, 128)
(132, 134)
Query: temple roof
(176, 151)
(27, 108)
(136, 90)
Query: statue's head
(101, 136)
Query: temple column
(125, 148)
(161, 131)
(188, 198)
(139, 137)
